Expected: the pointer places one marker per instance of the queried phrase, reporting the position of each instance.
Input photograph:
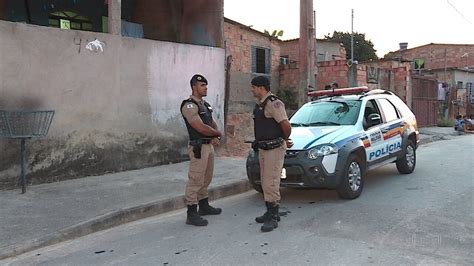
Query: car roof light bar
(339, 92)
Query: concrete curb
(119, 217)
(430, 139)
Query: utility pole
(352, 74)
(352, 37)
(306, 51)
(445, 65)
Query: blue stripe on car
(316, 139)
(341, 143)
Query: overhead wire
(459, 12)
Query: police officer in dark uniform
(272, 132)
(203, 136)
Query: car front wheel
(352, 178)
(406, 164)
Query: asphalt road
(422, 218)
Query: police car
(340, 136)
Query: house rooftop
(249, 28)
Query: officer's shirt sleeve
(190, 112)
(276, 110)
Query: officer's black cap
(197, 78)
(261, 81)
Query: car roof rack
(339, 92)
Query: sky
(385, 22)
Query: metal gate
(425, 101)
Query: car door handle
(384, 130)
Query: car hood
(307, 137)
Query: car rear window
(327, 113)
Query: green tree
(363, 49)
(275, 33)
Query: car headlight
(322, 150)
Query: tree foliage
(275, 33)
(363, 49)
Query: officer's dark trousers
(200, 174)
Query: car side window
(401, 107)
(388, 110)
(370, 108)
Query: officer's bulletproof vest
(205, 112)
(265, 128)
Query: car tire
(406, 164)
(258, 188)
(352, 180)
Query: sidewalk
(430, 134)
(51, 213)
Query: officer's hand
(215, 141)
(289, 143)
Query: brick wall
(239, 129)
(435, 55)
(400, 82)
(291, 48)
(289, 76)
(361, 75)
(239, 41)
(332, 71)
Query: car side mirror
(374, 119)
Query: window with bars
(261, 60)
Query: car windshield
(327, 113)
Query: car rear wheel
(352, 178)
(406, 164)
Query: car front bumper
(300, 170)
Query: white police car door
(373, 140)
(376, 144)
(392, 129)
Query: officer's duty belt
(197, 145)
(199, 141)
(270, 144)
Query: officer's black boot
(193, 217)
(206, 209)
(270, 217)
(260, 219)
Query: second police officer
(272, 131)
